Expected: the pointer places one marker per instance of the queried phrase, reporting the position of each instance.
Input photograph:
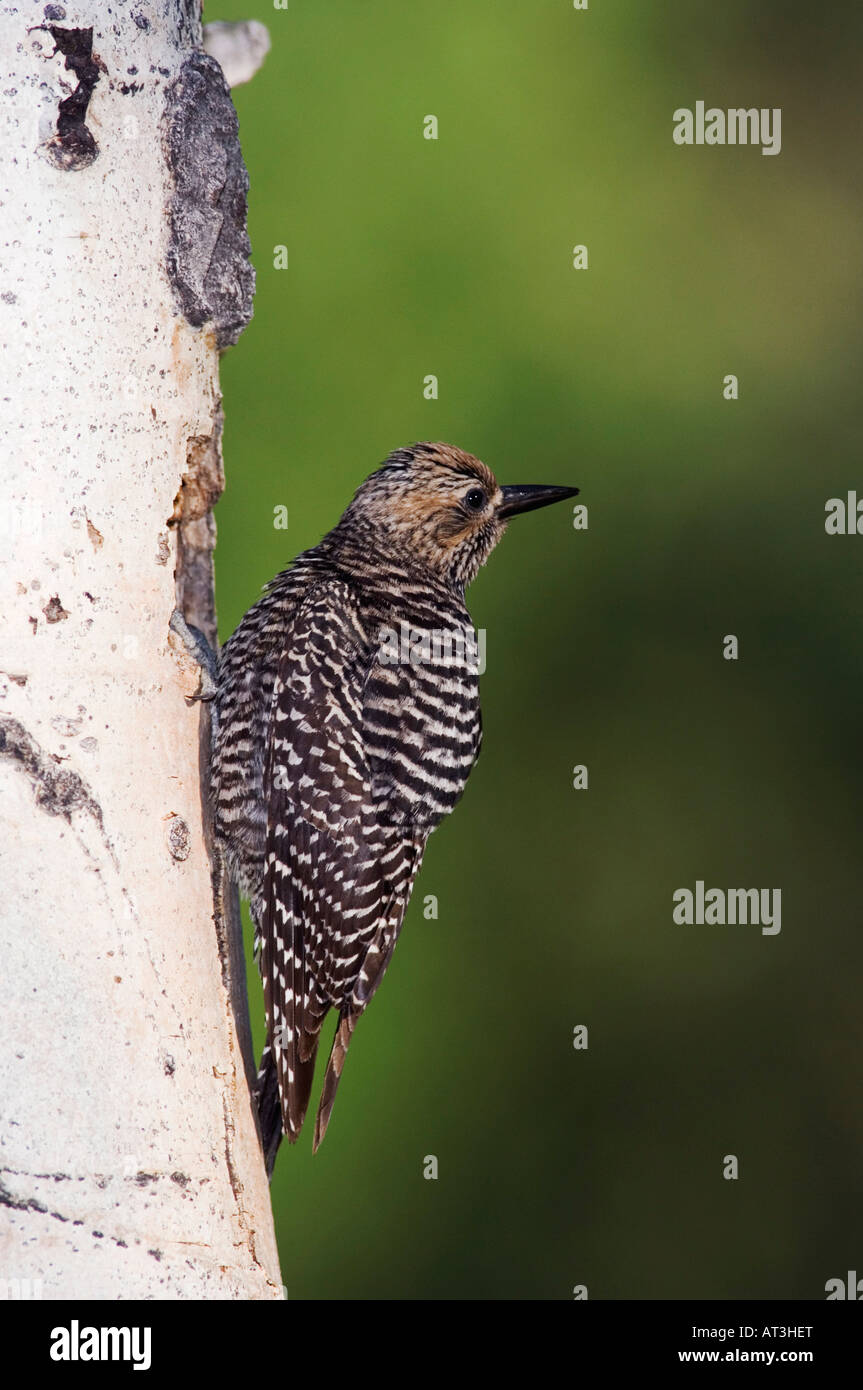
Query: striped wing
(363, 761)
(319, 814)
(336, 880)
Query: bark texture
(129, 1158)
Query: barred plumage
(340, 747)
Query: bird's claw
(198, 648)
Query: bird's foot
(198, 648)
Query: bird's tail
(372, 971)
(341, 1043)
(269, 1105)
(276, 1117)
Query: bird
(347, 724)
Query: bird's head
(443, 508)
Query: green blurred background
(706, 517)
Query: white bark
(129, 1159)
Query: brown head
(442, 507)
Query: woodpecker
(340, 746)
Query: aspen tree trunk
(129, 1159)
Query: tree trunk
(129, 1158)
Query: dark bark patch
(73, 146)
(8, 1199)
(208, 250)
(58, 791)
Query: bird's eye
(475, 499)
